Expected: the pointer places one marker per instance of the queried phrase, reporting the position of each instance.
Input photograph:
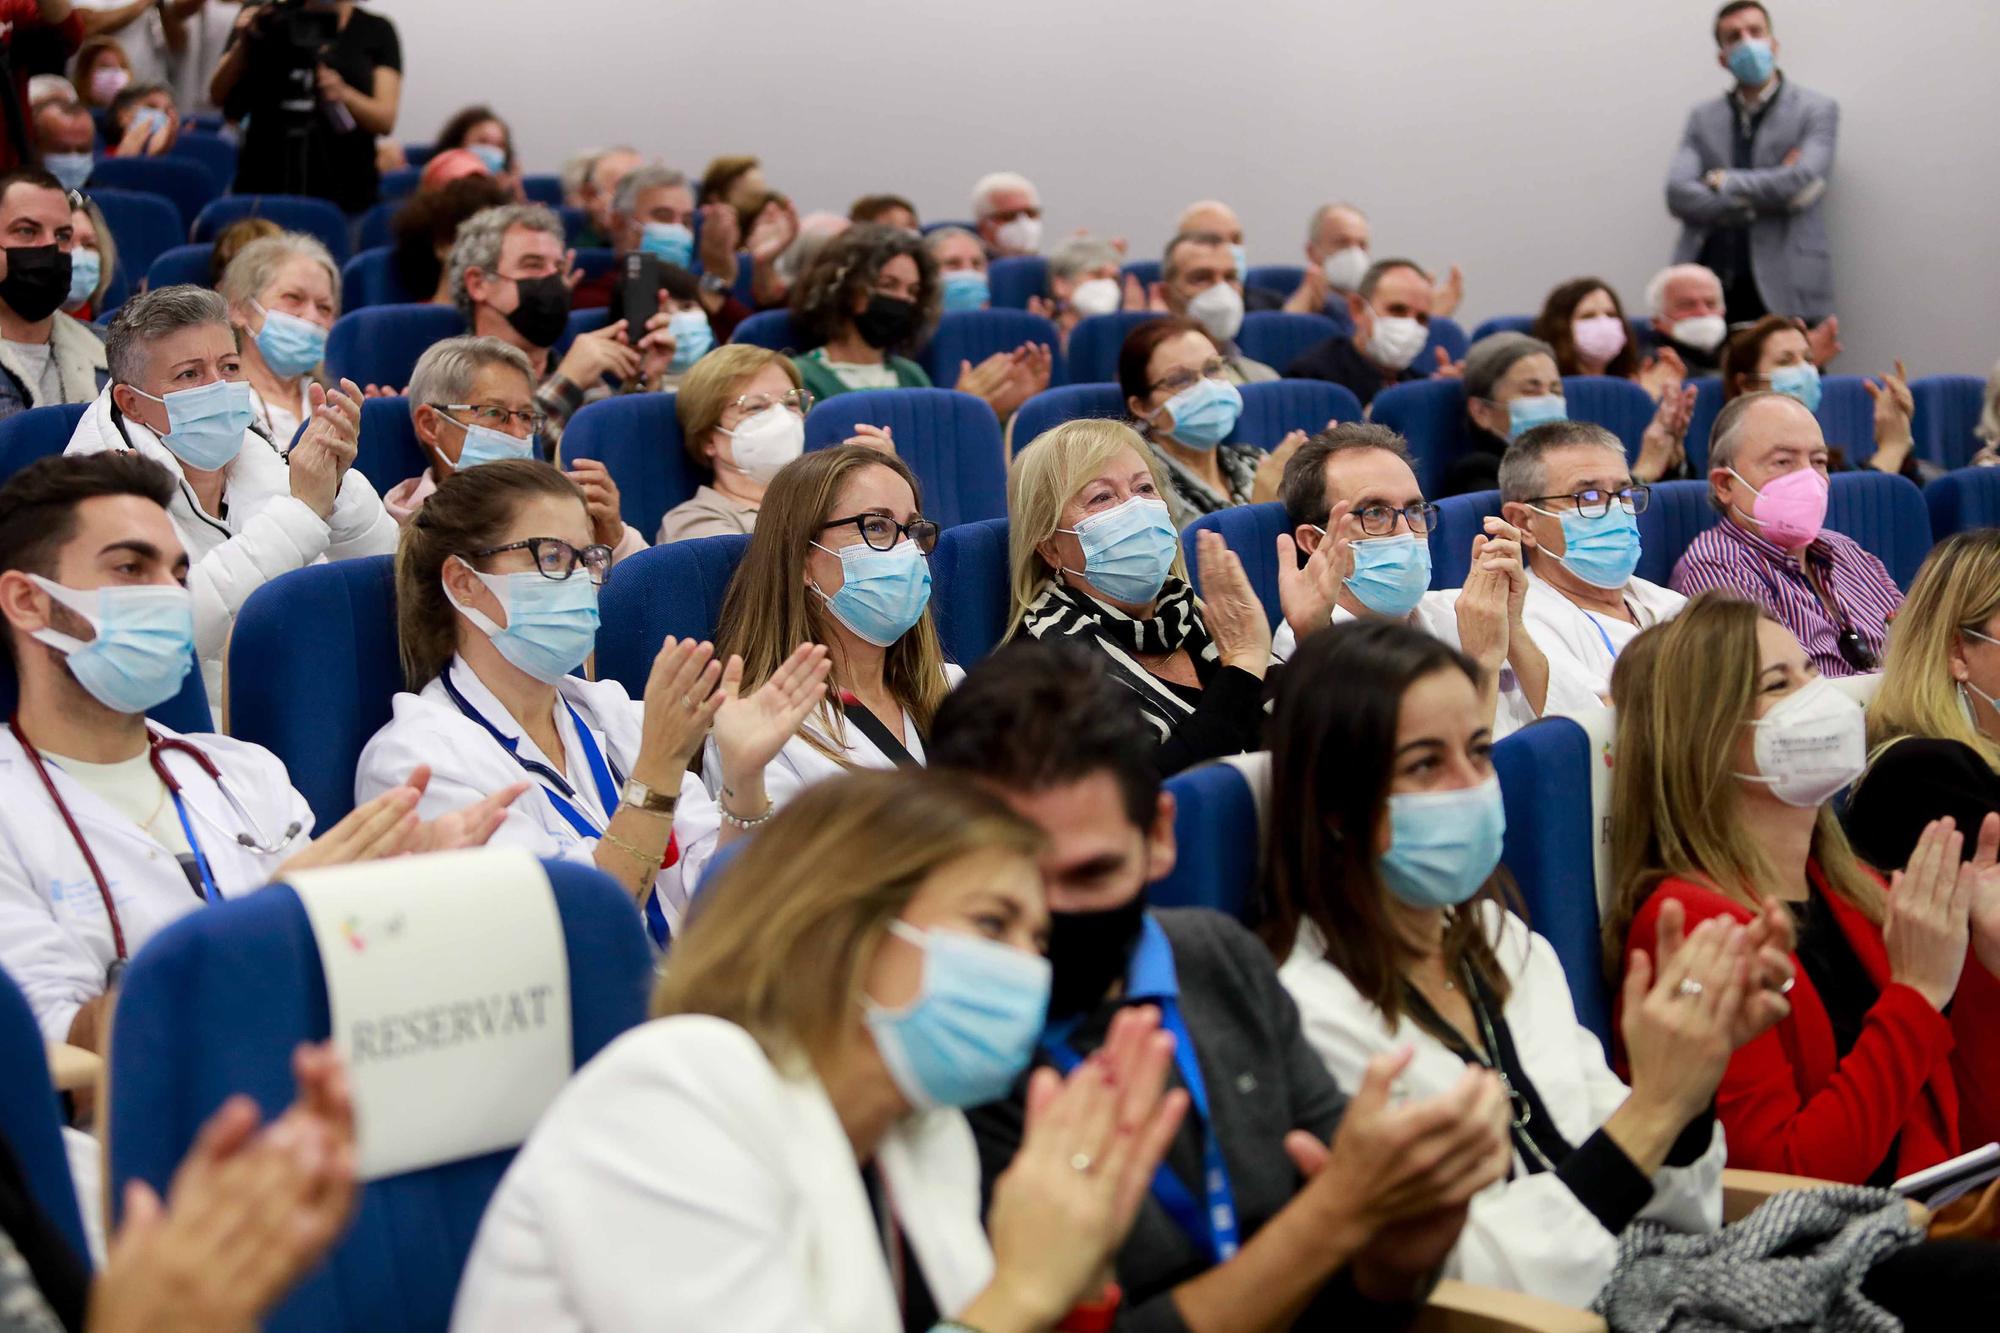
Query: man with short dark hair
(45, 356)
(1391, 315)
(1201, 279)
(1273, 1204)
(1750, 176)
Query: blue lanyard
(1212, 1228)
(1602, 635)
(208, 889)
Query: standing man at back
(1751, 175)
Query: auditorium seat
(293, 212)
(543, 189)
(279, 691)
(381, 344)
(1430, 414)
(214, 151)
(370, 279)
(182, 181)
(389, 453)
(376, 227)
(1147, 271)
(970, 599)
(949, 439)
(1678, 513)
(1068, 402)
(251, 968)
(1701, 422)
(1503, 324)
(1948, 408)
(36, 433)
(1284, 279)
(1886, 515)
(576, 223)
(144, 225)
(1847, 416)
(31, 1119)
(1251, 531)
(1094, 344)
(1217, 833)
(1275, 408)
(1461, 519)
(1960, 500)
(1277, 337)
(637, 436)
(973, 335)
(182, 264)
(1446, 335)
(417, 154)
(1617, 404)
(676, 589)
(402, 182)
(941, 225)
(772, 329)
(1015, 278)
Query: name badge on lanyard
(1210, 1223)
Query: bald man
(1213, 217)
(1337, 257)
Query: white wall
(1526, 140)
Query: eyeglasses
(798, 400)
(1380, 520)
(882, 532)
(1187, 378)
(1596, 504)
(494, 417)
(557, 559)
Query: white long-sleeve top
(1583, 646)
(1528, 1233)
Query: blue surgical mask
(1242, 258)
(85, 268)
(1751, 61)
(1444, 844)
(1524, 414)
(483, 444)
(1129, 549)
(692, 338)
(289, 345)
(1204, 412)
(882, 593)
(1391, 574)
(493, 156)
(144, 644)
(1602, 551)
(551, 623)
(1800, 382)
(966, 289)
(972, 1029)
(673, 242)
(205, 425)
(72, 169)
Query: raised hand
(382, 827)
(471, 826)
(1929, 917)
(1271, 468)
(681, 700)
(1770, 941)
(603, 352)
(1823, 341)
(750, 729)
(1663, 448)
(775, 227)
(1483, 610)
(600, 499)
(1505, 554)
(1983, 894)
(720, 233)
(1308, 593)
(879, 438)
(1310, 296)
(1447, 369)
(1663, 371)
(1895, 405)
(1680, 1016)
(1235, 617)
(1447, 293)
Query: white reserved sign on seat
(448, 985)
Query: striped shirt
(1860, 593)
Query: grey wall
(1526, 140)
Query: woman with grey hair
(284, 294)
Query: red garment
(1787, 1101)
(15, 14)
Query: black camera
(304, 27)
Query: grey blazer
(1780, 204)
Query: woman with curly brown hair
(871, 296)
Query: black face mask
(1088, 951)
(542, 314)
(887, 322)
(37, 281)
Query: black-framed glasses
(557, 559)
(1380, 520)
(796, 400)
(1593, 503)
(1187, 377)
(882, 532)
(495, 417)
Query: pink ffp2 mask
(1599, 337)
(1790, 509)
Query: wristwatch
(710, 283)
(641, 797)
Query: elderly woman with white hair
(1007, 209)
(1084, 280)
(284, 294)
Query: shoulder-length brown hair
(1746, 348)
(1685, 690)
(1557, 322)
(780, 943)
(770, 610)
(1333, 749)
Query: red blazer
(1788, 1103)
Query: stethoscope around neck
(253, 840)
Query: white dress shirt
(1584, 646)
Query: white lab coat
(268, 532)
(1584, 647)
(798, 766)
(682, 1181)
(1528, 1233)
(55, 938)
(468, 765)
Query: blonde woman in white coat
(245, 511)
(784, 1149)
(1385, 907)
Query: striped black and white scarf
(1062, 612)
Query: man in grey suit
(1751, 175)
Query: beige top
(709, 514)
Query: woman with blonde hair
(1730, 748)
(1093, 557)
(742, 412)
(284, 294)
(1934, 726)
(785, 1145)
(92, 263)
